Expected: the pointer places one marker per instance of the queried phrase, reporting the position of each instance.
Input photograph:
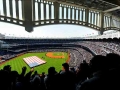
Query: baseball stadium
(59, 44)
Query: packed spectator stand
(98, 47)
(84, 70)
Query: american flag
(33, 61)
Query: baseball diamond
(55, 55)
(17, 63)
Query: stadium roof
(100, 15)
(117, 2)
(112, 6)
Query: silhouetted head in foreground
(7, 68)
(98, 63)
(51, 71)
(66, 66)
(113, 60)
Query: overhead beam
(117, 2)
(27, 6)
(102, 23)
(112, 9)
(56, 12)
(87, 16)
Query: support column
(67, 14)
(100, 32)
(71, 14)
(33, 9)
(87, 16)
(4, 9)
(101, 23)
(111, 22)
(27, 6)
(78, 15)
(96, 19)
(39, 10)
(17, 9)
(50, 5)
(82, 15)
(74, 14)
(56, 12)
(44, 5)
(11, 8)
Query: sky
(50, 31)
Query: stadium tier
(66, 61)
(79, 49)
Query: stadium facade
(97, 14)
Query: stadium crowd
(101, 48)
(49, 50)
(92, 46)
(74, 58)
(6, 55)
(86, 55)
(84, 71)
(102, 72)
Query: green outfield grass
(17, 63)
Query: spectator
(50, 79)
(67, 78)
(99, 79)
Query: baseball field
(54, 59)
